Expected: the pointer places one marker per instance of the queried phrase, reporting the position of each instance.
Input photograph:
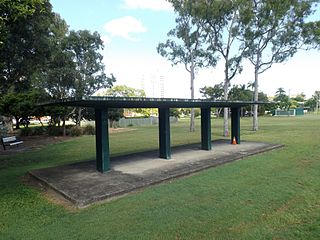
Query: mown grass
(275, 195)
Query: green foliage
(222, 26)
(114, 115)
(33, 131)
(314, 102)
(299, 97)
(215, 93)
(283, 100)
(186, 45)
(59, 75)
(76, 131)
(175, 112)
(21, 105)
(37, 51)
(89, 130)
(86, 48)
(124, 91)
(55, 131)
(240, 93)
(272, 32)
(25, 42)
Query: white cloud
(106, 39)
(156, 5)
(124, 27)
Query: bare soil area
(37, 142)
(30, 143)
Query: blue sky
(132, 29)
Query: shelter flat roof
(134, 102)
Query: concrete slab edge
(118, 194)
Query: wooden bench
(10, 141)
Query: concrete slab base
(82, 185)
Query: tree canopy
(185, 45)
(40, 56)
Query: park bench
(10, 141)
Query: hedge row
(71, 130)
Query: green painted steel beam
(164, 133)
(206, 128)
(235, 124)
(102, 140)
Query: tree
(273, 31)
(90, 70)
(215, 93)
(58, 75)
(240, 93)
(187, 48)
(125, 91)
(311, 34)
(316, 97)
(283, 101)
(24, 42)
(12, 11)
(300, 97)
(314, 102)
(21, 105)
(222, 25)
(24, 48)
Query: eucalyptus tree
(185, 45)
(273, 32)
(221, 23)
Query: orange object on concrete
(234, 141)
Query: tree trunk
(256, 94)
(17, 123)
(192, 118)
(40, 121)
(8, 124)
(225, 110)
(64, 126)
(78, 121)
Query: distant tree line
(281, 99)
(285, 102)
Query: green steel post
(102, 140)
(206, 128)
(235, 124)
(164, 133)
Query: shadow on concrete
(82, 185)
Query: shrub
(25, 132)
(38, 130)
(76, 131)
(55, 131)
(89, 130)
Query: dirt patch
(37, 142)
(31, 143)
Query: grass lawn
(275, 195)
